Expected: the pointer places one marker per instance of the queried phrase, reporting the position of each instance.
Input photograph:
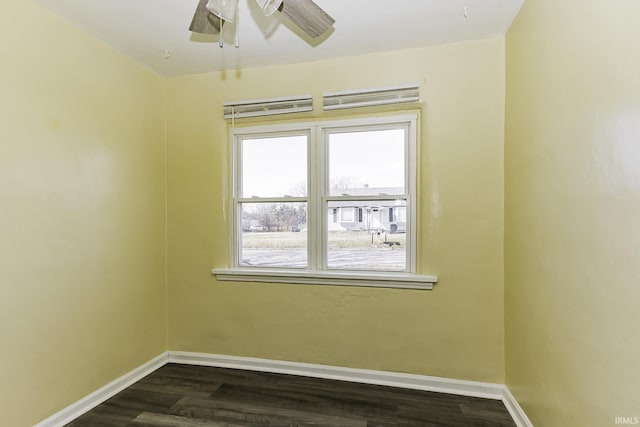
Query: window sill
(336, 278)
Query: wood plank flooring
(185, 396)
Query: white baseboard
(89, 402)
(515, 410)
(392, 379)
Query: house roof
(369, 191)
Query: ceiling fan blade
(308, 16)
(203, 21)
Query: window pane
(367, 163)
(368, 236)
(274, 167)
(274, 234)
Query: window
(327, 199)
(347, 214)
(272, 201)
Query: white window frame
(317, 213)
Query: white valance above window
(268, 106)
(371, 97)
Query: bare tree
(281, 216)
(267, 217)
(345, 183)
(299, 190)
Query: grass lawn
(337, 239)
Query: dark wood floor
(184, 395)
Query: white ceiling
(145, 29)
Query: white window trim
(370, 279)
(408, 279)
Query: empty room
(320, 213)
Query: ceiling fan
(210, 15)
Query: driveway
(373, 258)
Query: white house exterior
(378, 215)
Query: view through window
(325, 197)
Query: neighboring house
(378, 215)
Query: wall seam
(166, 214)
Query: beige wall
(573, 211)
(82, 295)
(454, 331)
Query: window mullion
(272, 200)
(316, 190)
(236, 243)
(411, 185)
